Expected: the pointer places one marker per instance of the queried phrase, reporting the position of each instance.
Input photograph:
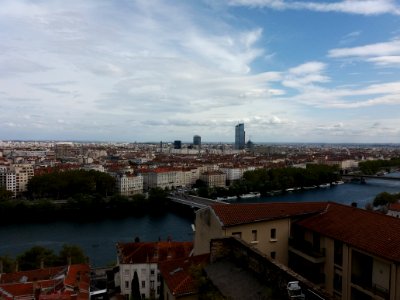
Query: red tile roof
(394, 206)
(31, 275)
(152, 252)
(59, 283)
(177, 274)
(372, 232)
(236, 214)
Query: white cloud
(378, 49)
(363, 7)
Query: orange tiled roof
(394, 206)
(176, 274)
(152, 252)
(31, 275)
(372, 232)
(59, 283)
(236, 214)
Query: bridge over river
(193, 201)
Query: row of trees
(62, 185)
(84, 207)
(372, 167)
(268, 180)
(39, 256)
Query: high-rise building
(197, 141)
(177, 145)
(239, 136)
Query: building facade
(129, 184)
(197, 141)
(144, 258)
(15, 178)
(349, 252)
(239, 136)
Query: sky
(163, 70)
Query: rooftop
(235, 214)
(152, 252)
(178, 276)
(369, 231)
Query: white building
(143, 258)
(129, 184)
(15, 178)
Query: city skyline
(292, 71)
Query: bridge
(371, 177)
(193, 201)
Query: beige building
(129, 184)
(15, 178)
(350, 252)
(214, 178)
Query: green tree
(383, 199)
(36, 257)
(71, 254)
(5, 194)
(135, 291)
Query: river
(98, 238)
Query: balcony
(305, 250)
(362, 284)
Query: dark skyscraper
(177, 145)
(239, 136)
(197, 141)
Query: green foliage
(35, 257)
(39, 256)
(135, 290)
(8, 264)
(5, 194)
(62, 185)
(385, 198)
(157, 200)
(263, 180)
(71, 254)
(372, 167)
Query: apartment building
(214, 178)
(144, 258)
(350, 252)
(15, 178)
(129, 184)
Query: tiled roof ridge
(182, 284)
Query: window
(127, 284)
(158, 290)
(152, 284)
(152, 271)
(143, 284)
(127, 272)
(158, 277)
(237, 235)
(273, 254)
(273, 234)
(254, 235)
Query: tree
(135, 290)
(5, 194)
(36, 257)
(71, 254)
(384, 199)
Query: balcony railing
(370, 287)
(305, 250)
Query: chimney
(354, 204)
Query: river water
(98, 238)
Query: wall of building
(207, 227)
(264, 241)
